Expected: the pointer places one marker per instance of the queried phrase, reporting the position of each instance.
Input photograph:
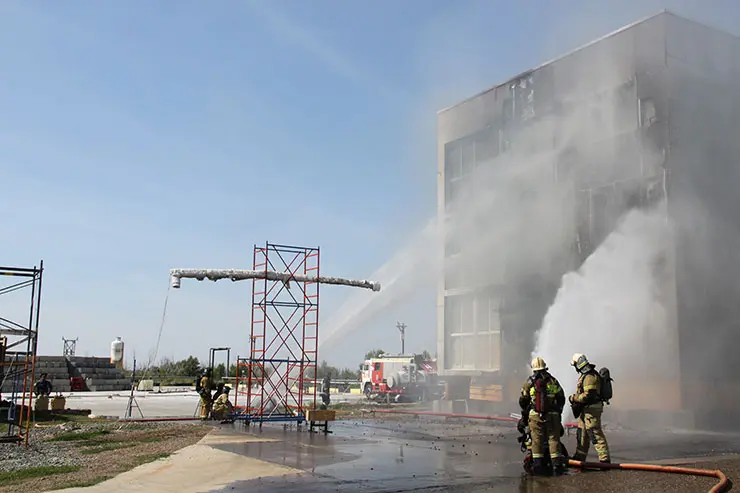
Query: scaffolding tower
(284, 336)
(18, 343)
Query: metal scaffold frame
(284, 335)
(18, 343)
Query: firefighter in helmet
(587, 407)
(204, 389)
(542, 401)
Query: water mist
(612, 309)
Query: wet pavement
(433, 455)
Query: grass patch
(105, 447)
(145, 459)
(83, 484)
(35, 472)
(76, 437)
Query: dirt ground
(82, 454)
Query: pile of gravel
(42, 452)
(38, 454)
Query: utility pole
(402, 329)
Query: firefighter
(219, 391)
(587, 407)
(204, 389)
(542, 401)
(222, 407)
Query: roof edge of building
(565, 55)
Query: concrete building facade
(536, 172)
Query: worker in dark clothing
(43, 386)
(542, 401)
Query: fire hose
(714, 473)
(455, 415)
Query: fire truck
(400, 378)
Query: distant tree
(219, 371)
(190, 366)
(426, 355)
(374, 353)
(349, 374)
(325, 369)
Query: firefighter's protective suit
(587, 408)
(542, 400)
(204, 389)
(222, 407)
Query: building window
(486, 146)
(473, 331)
(468, 157)
(648, 112)
(453, 161)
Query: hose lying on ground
(454, 415)
(713, 473)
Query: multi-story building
(535, 173)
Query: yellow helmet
(538, 364)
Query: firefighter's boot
(538, 467)
(558, 465)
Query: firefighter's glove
(572, 399)
(521, 425)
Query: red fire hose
(713, 473)
(455, 415)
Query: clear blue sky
(142, 135)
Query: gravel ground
(99, 457)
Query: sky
(140, 136)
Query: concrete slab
(435, 455)
(196, 469)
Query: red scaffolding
(18, 343)
(284, 337)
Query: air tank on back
(116, 352)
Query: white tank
(116, 351)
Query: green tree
(325, 369)
(426, 355)
(190, 366)
(374, 353)
(349, 374)
(219, 372)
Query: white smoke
(611, 308)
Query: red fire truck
(400, 377)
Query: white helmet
(579, 361)
(538, 364)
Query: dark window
(377, 366)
